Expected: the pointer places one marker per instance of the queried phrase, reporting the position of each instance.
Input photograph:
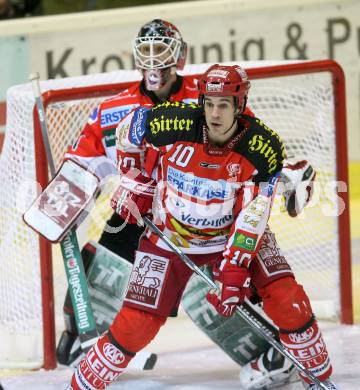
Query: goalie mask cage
(303, 101)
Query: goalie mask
(222, 80)
(158, 51)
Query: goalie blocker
(59, 206)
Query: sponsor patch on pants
(271, 258)
(147, 279)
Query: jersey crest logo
(233, 169)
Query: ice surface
(204, 367)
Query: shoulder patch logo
(162, 124)
(137, 127)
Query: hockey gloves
(133, 199)
(235, 287)
(298, 179)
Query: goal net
(303, 101)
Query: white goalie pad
(59, 206)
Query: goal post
(303, 101)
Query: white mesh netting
(300, 108)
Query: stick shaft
(35, 82)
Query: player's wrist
(139, 185)
(236, 276)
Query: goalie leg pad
(308, 347)
(134, 329)
(105, 361)
(233, 335)
(286, 303)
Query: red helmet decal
(224, 80)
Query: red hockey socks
(308, 347)
(105, 361)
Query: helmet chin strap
(237, 113)
(235, 119)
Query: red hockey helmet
(224, 80)
(164, 34)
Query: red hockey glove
(134, 197)
(299, 186)
(235, 287)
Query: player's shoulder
(190, 81)
(171, 121)
(173, 112)
(130, 94)
(262, 146)
(112, 110)
(187, 91)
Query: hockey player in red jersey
(216, 180)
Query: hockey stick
(268, 336)
(74, 267)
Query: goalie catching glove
(235, 287)
(298, 179)
(133, 198)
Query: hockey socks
(105, 361)
(308, 347)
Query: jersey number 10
(182, 155)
